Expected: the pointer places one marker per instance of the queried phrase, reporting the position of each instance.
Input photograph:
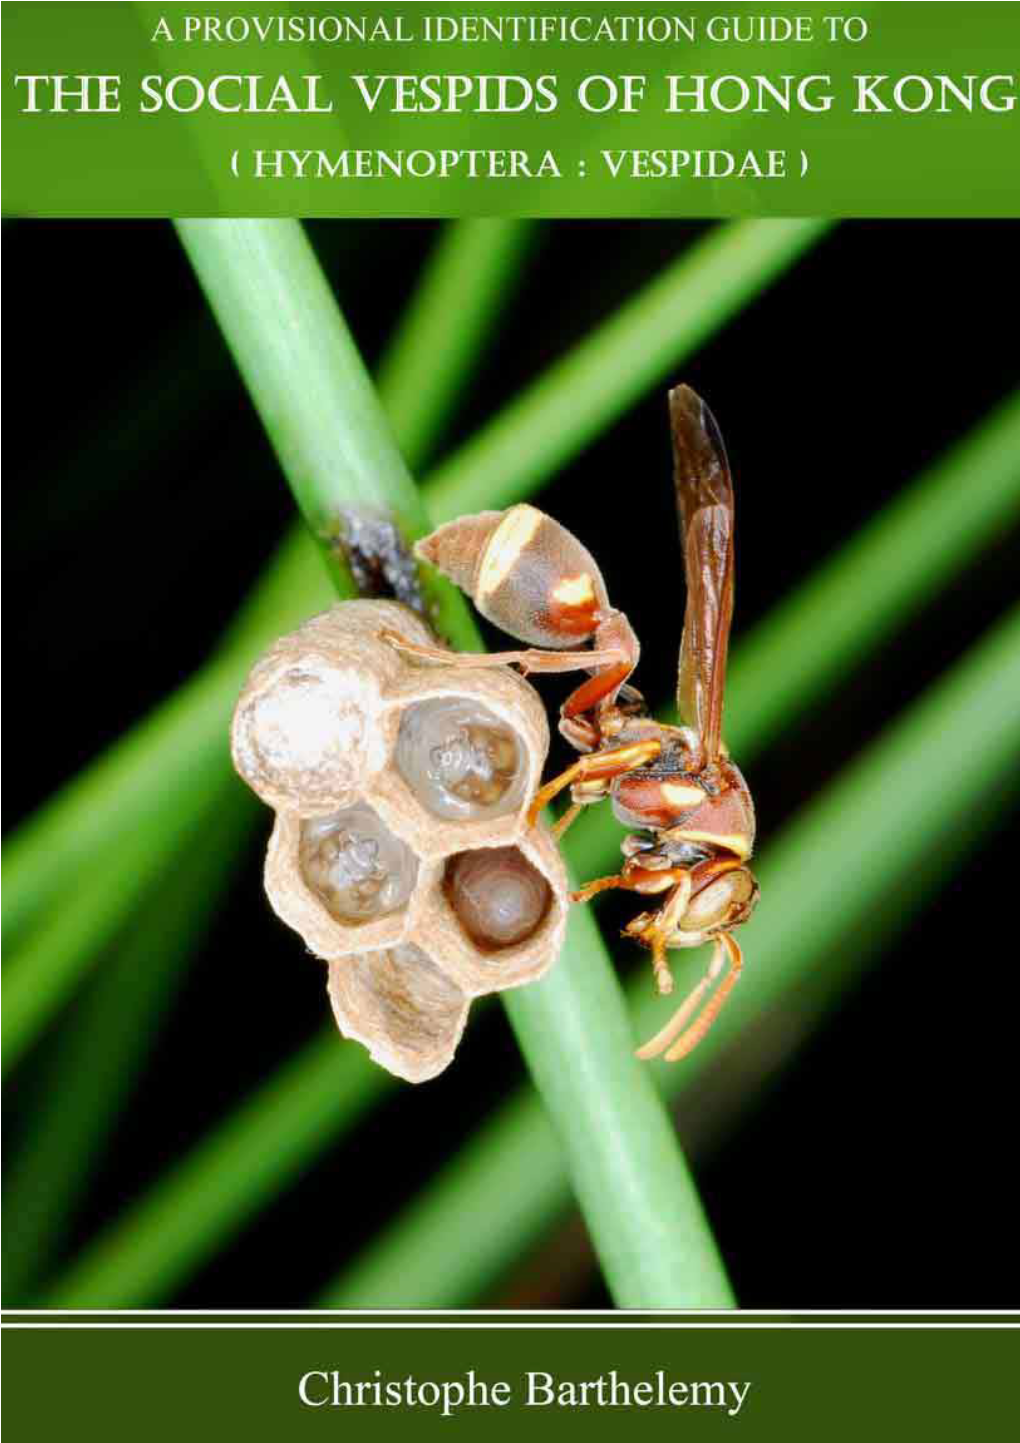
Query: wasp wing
(704, 492)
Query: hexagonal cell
(465, 750)
(344, 881)
(304, 733)
(461, 761)
(497, 895)
(496, 916)
(359, 870)
(401, 1006)
(304, 737)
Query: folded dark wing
(704, 493)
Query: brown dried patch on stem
(381, 563)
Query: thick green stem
(104, 1043)
(988, 456)
(579, 396)
(886, 572)
(444, 328)
(106, 1038)
(823, 881)
(293, 587)
(306, 378)
(290, 341)
(501, 1191)
(102, 814)
(617, 1142)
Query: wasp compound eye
(498, 897)
(717, 902)
(460, 760)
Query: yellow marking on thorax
(737, 843)
(507, 542)
(575, 590)
(682, 797)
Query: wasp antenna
(657, 1045)
(689, 1040)
(567, 820)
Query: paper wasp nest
(400, 851)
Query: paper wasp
(675, 784)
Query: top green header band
(551, 109)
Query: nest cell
(460, 760)
(355, 865)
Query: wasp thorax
(498, 897)
(717, 903)
(358, 868)
(460, 760)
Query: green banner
(525, 109)
(369, 1376)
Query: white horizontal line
(523, 1327)
(611, 1313)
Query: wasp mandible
(676, 785)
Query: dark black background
(876, 1172)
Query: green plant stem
(654, 1243)
(618, 1144)
(102, 813)
(987, 454)
(823, 881)
(102, 1048)
(579, 396)
(133, 809)
(179, 754)
(885, 573)
(502, 1190)
(131, 799)
(443, 332)
(98, 1060)
(310, 388)
(230, 1176)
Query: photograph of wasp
(404, 646)
(692, 814)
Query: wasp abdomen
(525, 573)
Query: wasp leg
(530, 660)
(594, 765)
(634, 879)
(656, 928)
(582, 734)
(689, 1040)
(674, 1046)
(656, 1045)
(596, 688)
(567, 820)
(600, 884)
